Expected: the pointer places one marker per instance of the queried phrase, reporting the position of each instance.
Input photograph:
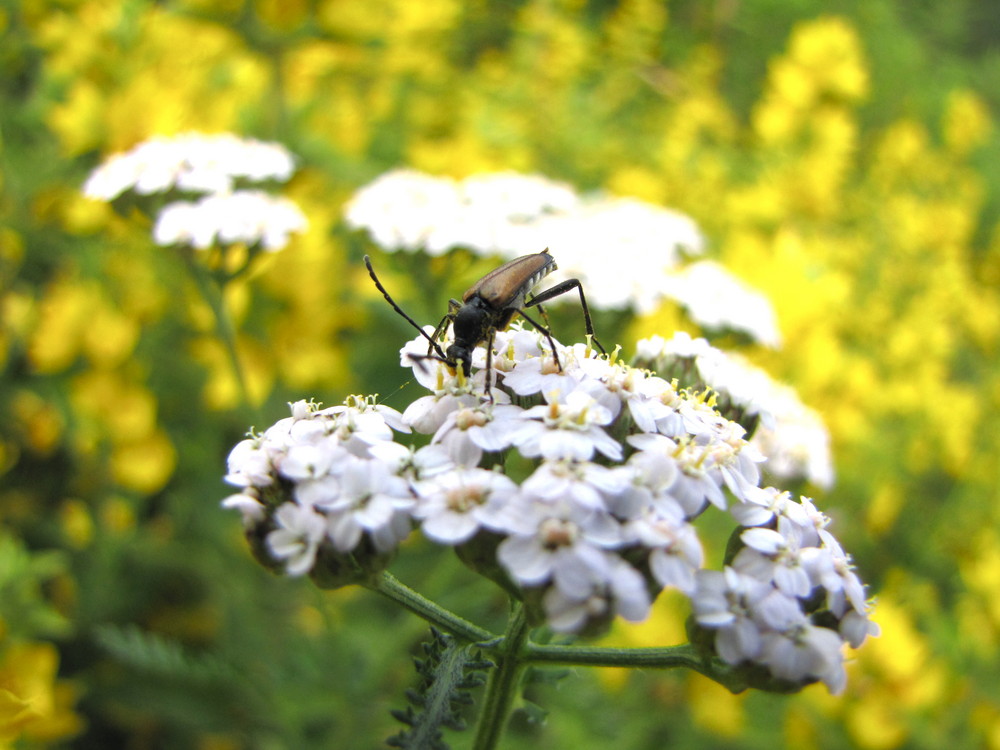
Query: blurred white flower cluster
(191, 162)
(248, 216)
(216, 170)
(620, 463)
(791, 435)
(629, 245)
(717, 300)
(491, 214)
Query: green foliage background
(840, 155)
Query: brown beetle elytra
(489, 306)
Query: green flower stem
(211, 292)
(392, 588)
(670, 657)
(502, 684)
(514, 651)
(598, 656)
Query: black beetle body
(489, 306)
(492, 302)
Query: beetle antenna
(397, 308)
(380, 401)
(418, 360)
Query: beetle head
(460, 355)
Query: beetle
(489, 306)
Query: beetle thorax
(473, 321)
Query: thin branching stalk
(502, 685)
(394, 589)
(212, 293)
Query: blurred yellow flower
(112, 409)
(144, 465)
(63, 315)
(895, 677)
(117, 516)
(222, 389)
(159, 74)
(967, 122)
(829, 49)
(282, 15)
(823, 69)
(884, 507)
(39, 422)
(32, 703)
(715, 708)
(76, 318)
(125, 410)
(77, 523)
(980, 568)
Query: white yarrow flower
(790, 434)
(724, 601)
(469, 431)
(718, 300)
(191, 162)
(806, 651)
(454, 506)
(775, 556)
(567, 429)
(676, 554)
(621, 591)
(297, 538)
(250, 464)
(608, 465)
(509, 214)
(249, 217)
(371, 499)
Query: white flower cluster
(507, 214)
(250, 216)
(717, 300)
(622, 462)
(214, 167)
(755, 604)
(191, 162)
(490, 214)
(789, 433)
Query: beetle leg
(442, 328)
(489, 364)
(548, 335)
(562, 288)
(545, 315)
(453, 306)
